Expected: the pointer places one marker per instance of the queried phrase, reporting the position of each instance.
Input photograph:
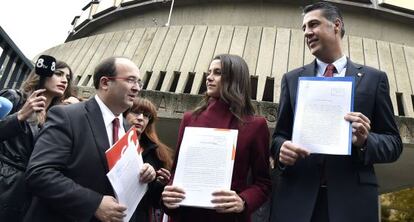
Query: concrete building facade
(266, 33)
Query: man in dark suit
(332, 187)
(67, 170)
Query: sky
(36, 25)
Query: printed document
(205, 164)
(319, 123)
(125, 162)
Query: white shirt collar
(107, 114)
(340, 65)
(108, 117)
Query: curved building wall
(174, 59)
(358, 21)
(266, 33)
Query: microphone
(45, 66)
(5, 106)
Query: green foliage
(398, 206)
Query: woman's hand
(34, 103)
(147, 173)
(171, 196)
(70, 100)
(227, 201)
(163, 176)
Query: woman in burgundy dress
(227, 105)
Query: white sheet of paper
(165, 218)
(124, 178)
(319, 123)
(205, 164)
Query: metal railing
(14, 66)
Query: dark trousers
(320, 212)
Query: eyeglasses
(146, 115)
(130, 80)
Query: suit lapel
(309, 70)
(96, 122)
(354, 70)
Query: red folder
(114, 153)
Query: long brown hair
(34, 82)
(164, 153)
(235, 87)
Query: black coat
(16, 145)
(67, 169)
(152, 198)
(352, 185)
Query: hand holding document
(125, 162)
(319, 123)
(205, 164)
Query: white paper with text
(205, 164)
(319, 123)
(124, 177)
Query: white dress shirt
(108, 117)
(339, 64)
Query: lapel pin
(360, 74)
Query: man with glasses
(67, 170)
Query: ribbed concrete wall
(265, 32)
(364, 19)
(174, 59)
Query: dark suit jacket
(67, 169)
(352, 184)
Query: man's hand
(361, 126)
(110, 210)
(171, 196)
(147, 173)
(227, 201)
(290, 152)
(35, 103)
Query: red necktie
(329, 71)
(115, 129)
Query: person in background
(143, 116)
(227, 105)
(19, 130)
(71, 100)
(67, 169)
(334, 188)
(5, 107)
